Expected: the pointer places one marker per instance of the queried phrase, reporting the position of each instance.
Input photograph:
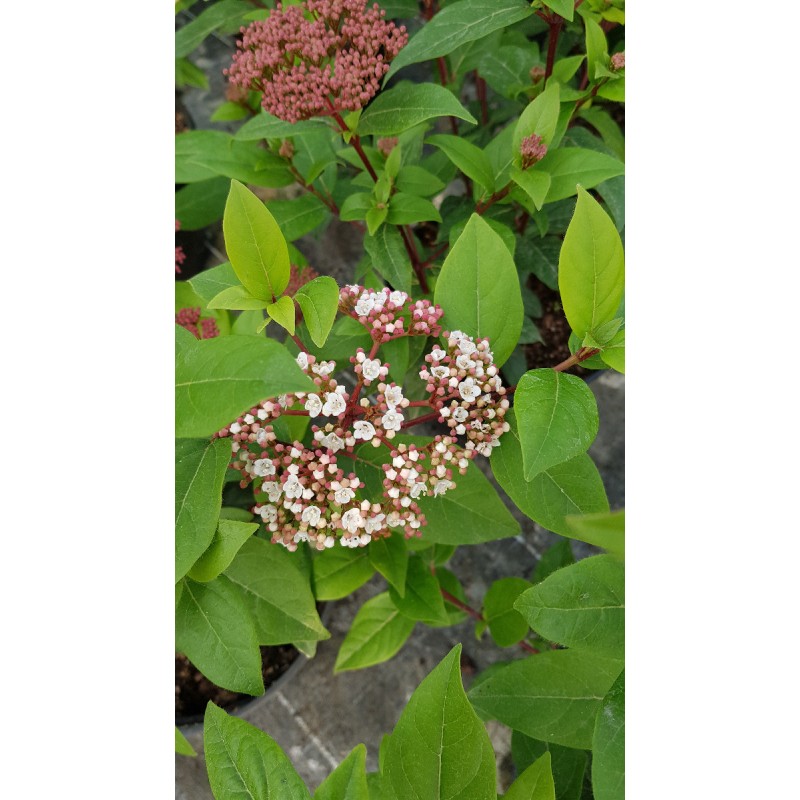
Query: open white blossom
(352, 520)
(311, 515)
(468, 389)
(268, 513)
(440, 372)
(392, 420)
(398, 298)
(333, 442)
(273, 489)
(437, 354)
(363, 430)
(343, 496)
(365, 304)
(417, 489)
(393, 396)
(263, 467)
(313, 405)
(441, 487)
(466, 345)
(374, 523)
(460, 414)
(371, 369)
(324, 368)
(302, 360)
(293, 488)
(335, 404)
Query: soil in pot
(193, 690)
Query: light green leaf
(209, 283)
(375, 218)
(471, 160)
(553, 696)
(378, 631)
(340, 571)
(282, 311)
(581, 606)
(556, 416)
(182, 746)
(215, 631)
(571, 166)
(348, 781)
(255, 244)
(535, 182)
(574, 487)
(299, 216)
(608, 745)
(243, 762)
(248, 323)
(230, 536)
(507, 69)
(479, 289)
(200, 468)
(277, 594)
(265, 126)
(319, 301)
(187, 74)
(568, 765)
(389, 257)
(416, 180)
(355, 207)
(406, 105)
(439, 749)
(197, 205)
(506, 625)
(564, 8)
(456, 24)
(422, 599)
(536, 783)
(591, 268)
(606, 530)
(389, 555)
(539, 117)
(218, 379)
(596, 48)
(614, 353)
(238, 299)
(406, 208)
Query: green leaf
(213, 628)
(282, 311)
(553, 696)
(244, 762)
(471, 160)
(218, 379)
(506, 625)
(187, 74)
(540, 256)
(238, 299)
(229, 111)
(197, 205)
(614, 353)
(230, 536)
(265, 126)
(564, 8)
(348, 781)
(568, 765)
(570, 166)
(606, 530)
(574, 487)
(596, 48)
(591, 268)
(277, 594)
(456, 24)
(581, 606)
(182, 745)
(355, 207)
(378, 631)
(393, 160)
(608, 745)
(192, 34)
(209, 283)
(389, 555)
(556, 416)
(407, 104)
(416, 180)
(507, 69)
(479, 289)
(536, 783)
(439, 748)
(375, 218)
(406, 208)
(450, 583)
(255, 244)
(200, 468)
(535, 183)
(539, 117)
(556, 556)
(204, 154)
(389, 257)
(319, 301)
(340, 571)
(299, 216)
(346, 336)
(422, 599)
(501, 154)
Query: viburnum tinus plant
(355, 434)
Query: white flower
(457, 335)
(398, 298)
(273, 490)
(392, 420)
(464, 362)
(293, 488)
(467, 346)
(313, 405)
(268, 513)
(468, 389)
(371, 369)
(263, 467)
(485, 448)
(261, 436)
(342, 496)
(300, 536)
(302, 360)
(374, 523)
(311, 515)
(335, 404)
(460, 414)
(324, 368)
(441, 487)
(393, 395)
(329, 542)
(363, 430)
(352, 520)
(283, 400)
(333, 442)
(365, 539)
(479, 426)
(365, 304)
(394, 519)
(437, 354)
(235, 428)
(440, 372)
(417, 489)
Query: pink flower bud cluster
(189, 318)
(532, 149)
(386, 145)
(320, 55)
(388, 315)
(180, 256)
(618, 61)
(304, 494)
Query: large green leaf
(243, 762)
(506, 625)
(581, 606)
(209, 283)
(568, 765)
(378, 631)
(565, 8)
(319, 302)
(200, 468)
(478, 288)
(608, 745)
(299, 216)
(422, 599)
(182, 745)
(265, 126)
(277, 593)
(405, 209)
(215, 631)
(556, 418)
(349, 780)
(237, 298)
(389, 257)
(215, 16)
(218, 379)
(539, 117)
(406, 105)
(456, 24)
(471, 160)
(340, 571)
(574, 487)
(439, 749)
(230, 536)
(570, 166)
(591, 268)
(256, 247)
(389, 555)
(283, 312)
(535, 783)
(199, 204)
(606, 530)
(553, 696)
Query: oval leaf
(319, 301)
(282, 311)
(536, 783)
(608, 745)
(230, 536)
(236, 298)
(471, 160)
(349, 780)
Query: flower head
(532, 149)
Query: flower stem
(580, 355)
(481, 208)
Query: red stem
(555, 22)
(480, 87)
(298, 342)
(419, 420)
(482, 207)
